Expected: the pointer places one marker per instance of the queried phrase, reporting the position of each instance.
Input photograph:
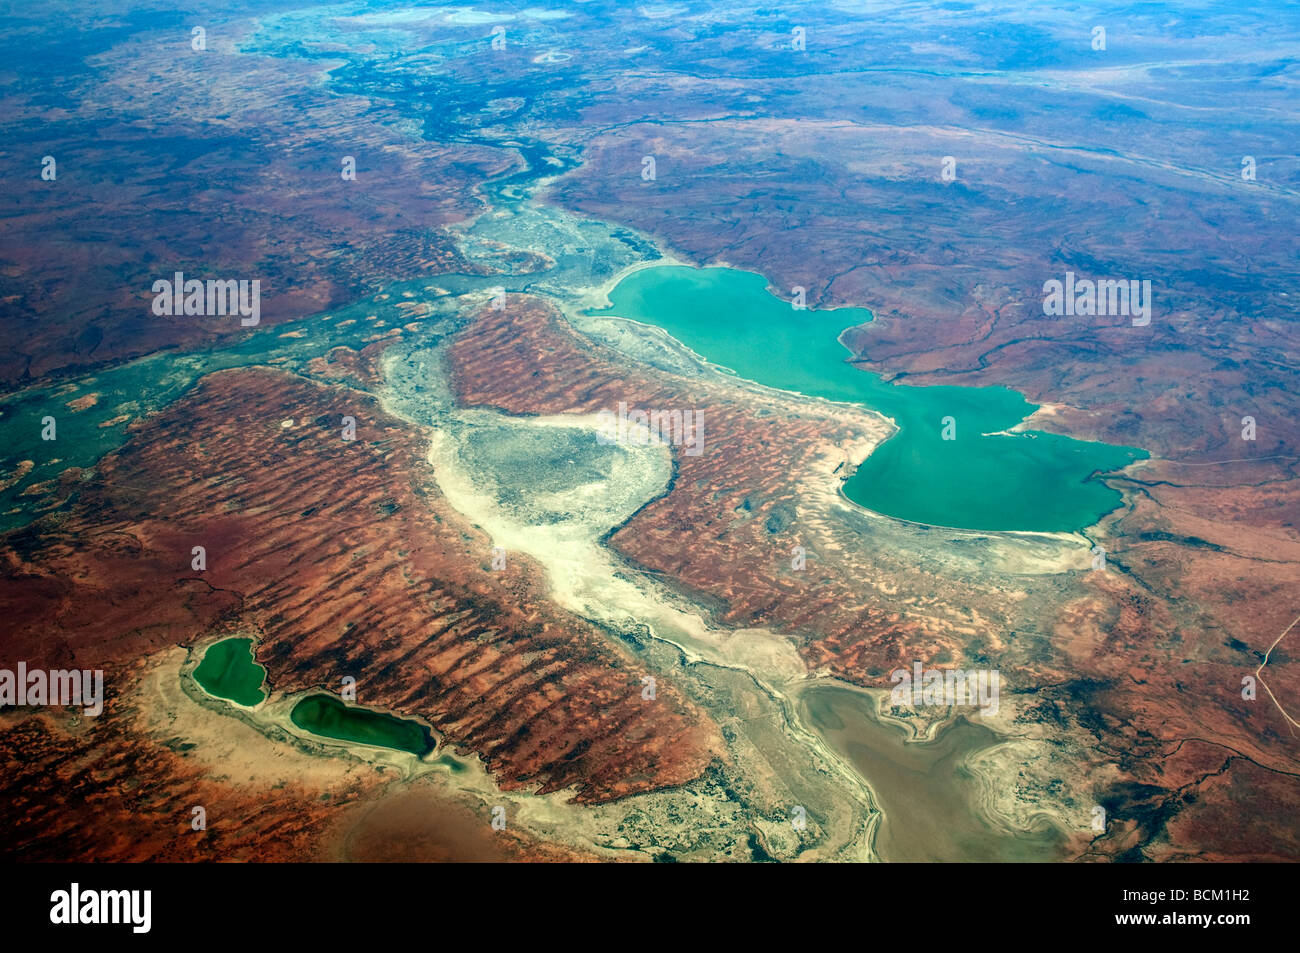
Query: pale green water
(1029, 481)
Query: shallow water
(979, 479)
(327, 716)
(228, 670)
(924, 791)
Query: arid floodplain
(656, 438)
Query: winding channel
(796, 743)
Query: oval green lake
(329, 717)
(983, 478)
(228, 670)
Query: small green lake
(982, 479)
(329, 717)
(228, 670)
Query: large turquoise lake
(981, 479)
